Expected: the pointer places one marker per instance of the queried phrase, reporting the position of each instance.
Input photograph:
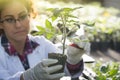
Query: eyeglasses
(12, 20)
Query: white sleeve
(48, 45)
(5, 74)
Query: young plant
(64, 17)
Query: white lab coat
(11, 67)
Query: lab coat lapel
(14, 63)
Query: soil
(61, 60)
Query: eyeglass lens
(12, 20)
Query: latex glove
(76, 49)
(42, 72)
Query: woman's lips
(18, 32)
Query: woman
(25, 57)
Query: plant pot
(61, 60)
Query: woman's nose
(18, 24)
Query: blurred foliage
(106, 23)
(107, 71)
(76, 1)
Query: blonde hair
(27, 3)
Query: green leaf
(100, 77)
(41, 29)
(71, 21)
(113, 72)
(72, 16)
(77, 8)
(48, 24)
(50, 9)
(49, 35)
(54, 18)
(67, 9)
(117, 77)
(57, 12)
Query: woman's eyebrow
(22, 12)
(8, 16)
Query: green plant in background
(107, 71)
(106, 27)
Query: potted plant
(66, 19)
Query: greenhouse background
(101, 22)
(104, 34)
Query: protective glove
(76, 49)
(42, 72)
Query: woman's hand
(76, 49)
(42, 72)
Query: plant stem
(64, 32)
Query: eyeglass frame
(15, 20)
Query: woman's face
(15, 21)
